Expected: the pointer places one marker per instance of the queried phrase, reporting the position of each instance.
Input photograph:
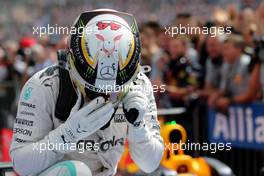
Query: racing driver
(97, 97)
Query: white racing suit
(35, 120)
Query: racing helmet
(103, 54)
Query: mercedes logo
(107, 72)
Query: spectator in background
(258, 61)
(233, 14)
(6, 91)
(23, 62)
(11, 48)
(3, 66)
(186, 20)
(260, 33)
(40, 58)
(152, 54)
(260, 19)
(261, 73)
(245, 21)
(213, 64)
(149, 45)
(237, 84)
(163, 40)
(180, 78)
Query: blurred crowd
(219, 70)
(19, 60)
(198, 70)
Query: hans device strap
(62, 58)
(67, 96)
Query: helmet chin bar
(75, 75)
(115, 96)
(88, 94)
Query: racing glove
(135, 107)
(81, 123)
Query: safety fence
(243, 127)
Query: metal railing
(244, 162)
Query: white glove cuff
(61, 141)
(138, 134)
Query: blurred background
(204, 75)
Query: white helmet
(104, 53)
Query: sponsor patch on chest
(119, 118)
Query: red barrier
(5, 142)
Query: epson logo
(22, 131)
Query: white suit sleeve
(145, 143)
(33, 123)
